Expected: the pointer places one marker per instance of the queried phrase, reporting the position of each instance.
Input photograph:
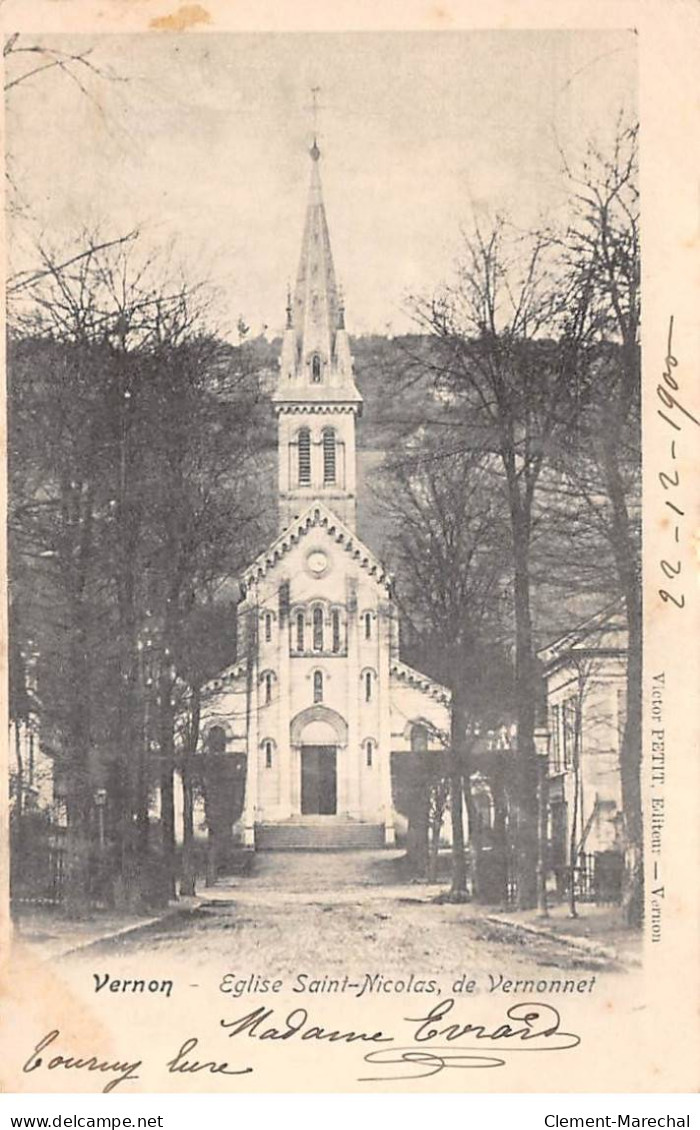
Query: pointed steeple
(316, 351)
(315, 307)
(316, 400)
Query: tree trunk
(167, 784)
(19, 796)
(573, 840)
(525, 694)
(435, 829)
(500, 881)
(460, 791)
(212, 857)
(542, 861)
(76, 876)
(630, 771)
(458, 890)
(475, 843)
(79, 798)
(417, 849)
(188, 880)
(628, 568)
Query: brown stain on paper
(188, 15)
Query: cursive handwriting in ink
(179, 1064)
(296, 1024)
(670, 386)
(531, 1026)
(670, 479)
(122, 1071)
(425, 1062)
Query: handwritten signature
(439, 1041)
(530, 1027)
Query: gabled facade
(319, 699)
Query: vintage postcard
(353, 547)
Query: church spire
(316, 363)
(315, 308)
(316, 400)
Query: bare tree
(446, 526)
(25, 59)
(603, 260)
(129, 446)
(510, 358)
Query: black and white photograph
(325, 558)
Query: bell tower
(316, 400)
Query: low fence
(37, 873)
(597, 878)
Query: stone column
(295, 779)
(252, 736)
(351, 755)
(284, 750)
(385, 614)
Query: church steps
(318, 835)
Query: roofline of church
(318, 515)
(418, 679)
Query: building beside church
(585, 674)
(319, 705)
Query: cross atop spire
(315, 151)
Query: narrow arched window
(419, 738)
(318, 686)
(268, 627)
(328, 455)
(300, 631)
(318, 629)
(268, 688)
(368, 686)
(216, 740)
(369, 751)
(268, 755)
(304, 457)
(335, 621)
(316, 369)
(368, 625)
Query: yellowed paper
(329, 970)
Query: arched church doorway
(319, 733)
(319, 780)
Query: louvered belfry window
(304, 457)
(328, 455)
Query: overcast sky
(202, 140)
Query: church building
(319, 705)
